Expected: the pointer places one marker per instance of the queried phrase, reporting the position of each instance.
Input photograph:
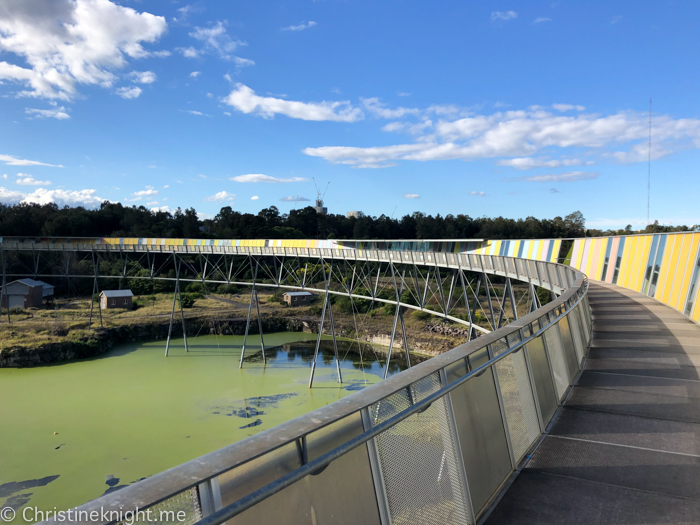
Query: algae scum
(71, 432)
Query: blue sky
(510, 108)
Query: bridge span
(582, 411)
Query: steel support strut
(172, 312)
(320, 330)
(396, 318)
(3, 293)
(95, 290)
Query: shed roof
(32, 282)
(297, 294)
(116, 293)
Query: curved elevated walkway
(626, 447)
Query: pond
(71, 432)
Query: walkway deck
(626, 446)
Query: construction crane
(320, 208)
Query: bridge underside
(626, 446)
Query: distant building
(110, 299)
(355, 214)
(26, 293)
(297, 298)
(320, 208)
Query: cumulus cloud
(24, 179)
(517, 134)
(258, 177)
(246, 101)
(64, 43)
(254, 198)
(11, 160)
(57, 113)
(571, 176)
(292, 198)
(142, 77)
(150, 191)
(163, 209)
(195, 74)
(300, 27)
(10, 196)
(129, 92)
(215, 39)
(221, 197)
(85, 198)
(503, 15)
(411, 196)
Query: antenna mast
(649, 168)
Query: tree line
(117, 220)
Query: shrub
(224, 289)
(187, 300)
(420, 315)
(195, 288)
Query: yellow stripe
(627, 261)
(601, 258)
(687, 266)
(530, 249)
(664, 272)
(678, 279)
(642, 263)
(556, 250)
(538, 257)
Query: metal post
(476, 303)
(247, 325)
(182, 315)
(260, 328)
(172, 313)
(376, 469)
(405, 340)
(425, 292)
(335, 343)
(318, 340)
(3, 293)
(438, 277)
(488, 299)
(466, 303)
(511, 295)
(504, 417)
(396, 318)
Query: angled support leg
(318, 341)
(172, 312)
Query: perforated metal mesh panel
(575, 325)
(518, 402)
(555, 351)
(169, 511)
(418, 459)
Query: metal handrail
(322, 461)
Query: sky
(510, 107)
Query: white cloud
(166, 186)
(571, 176)
(165, 209)
(188, 52)
(254, 198)
(227, 113)
(129, 92)
(216, 40)
(622, 136)
(411, 196)
(85, 198)
(150, 191)
(220, 197)
(152, 203)
(4, 176)
(300, 27)
(193, 112)
(69, 42)
(292, 198)
(27, 180)
(57, 113)
(142, 77)
(567, 107)
(527, 163)
(186, 11)
(377, 108)
(195, 74)
(245, 100)
(258, 177)
(541, 19)
(10, 196)
(403, 94)
(503, 15)
(478, 193)
(11, 160)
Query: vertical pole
(405, 340)
(182, 315)
(396, 318)
(94, 288)
(511, 295)
(318, 340)
(260, 328)
(438, 277)
(335, 343)
(247, 325)
(476, 303)
(3, 293)
(488, 299)
(427, 285)
(466, 303)
(172, 312)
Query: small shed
(110, 299)
(26, 293)
(297, 298)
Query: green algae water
(71, 432)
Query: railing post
(504, 417)
(376, 469)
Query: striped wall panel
(664, 266)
